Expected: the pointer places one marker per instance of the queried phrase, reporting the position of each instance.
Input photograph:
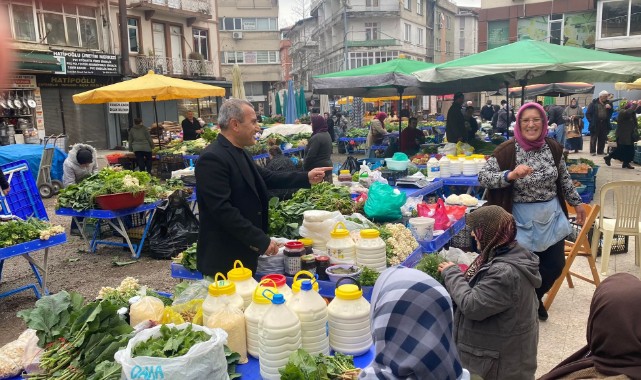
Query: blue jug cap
(306, 285)
(278, 299)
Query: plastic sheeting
(32, 154)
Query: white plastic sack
(197, 290)
(11, 355)
(205, 360)
(458, 256)
(449, 148)
(411, 204)
(376, 176)
(319, 231)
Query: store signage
(118, 107)
(22, 81)
(256, 98)
(73, 81)
(93, 63)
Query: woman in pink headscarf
(377, 129)
(528, 178)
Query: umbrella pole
(507, 107)
(400, 105)
(523, 83)
(157, 125)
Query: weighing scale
(412, 182)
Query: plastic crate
(105, 229)
(619, 242)
(637, 157)
(24, 199)
(463, 239)
(112, 159)
(587, 197)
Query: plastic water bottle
(311, 310)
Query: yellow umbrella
(237, 86)
(636, 85)
(150, 87)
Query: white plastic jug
(348, 320)
(311, 310)
(297, 284)
(433, 168)
(340, 246)
(279, 336)
(245, 283)
(281, 284)
(220, 293)
(445, 167)
(255, 312)
(371, 250)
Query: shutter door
(84, 123)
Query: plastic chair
(626, 222)
(579, 247)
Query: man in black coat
(191, 127)
(231, 191)
(598, 114)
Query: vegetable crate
(619, 242)
(463, 240)
(23, 200)
(170, 163)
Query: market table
(116, 220)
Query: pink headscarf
(528, 145)
(381, 116)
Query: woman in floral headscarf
(495, 325)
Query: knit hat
(603, 93)
(84, 156)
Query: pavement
(565, 330)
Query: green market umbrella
(302, 103)
(551, 89)
(279, 109)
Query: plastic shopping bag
(191, 311)
(205, 360)
(441, 220)
(173, 229)
(384, 202)
(196, 290)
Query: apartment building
(618, 26)
(303, 53)
(445, 31)
(249, 36)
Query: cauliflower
(402, 243)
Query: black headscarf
(319, 124)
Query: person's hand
(272, 250)
(199, 131)
(580, 214)
(6, 191)
(608, 106)
(445, 265)
(519, 172)
(317, 175)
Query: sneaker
(543, 314)
(607, 160)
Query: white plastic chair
(627, 202)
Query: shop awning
(33, 61)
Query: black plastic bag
(173, 228)
(351, 164)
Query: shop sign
(257, 98)
(92, 63)
(22, 81)
(77, 81)
(118, 107)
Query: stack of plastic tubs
(589, 180)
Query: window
(619, 16)
(132, 31)
(438, 45)
(419, 7)
(407, 4)
(247, 24)
(365, 58)
(420, 33)
(24, 27)
(448, 47)
(371, 31)
(461, 40)
(556, 29)
(254, 88)
(201, 43)
(408, 33)
(251, 57)
(372, 3)
(448, 22)
(70, 25)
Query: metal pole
(124, 35)
(346, 59)
(157, 125)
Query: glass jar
(293, 252)
(322, 263)
(308, 263)
(344, 176)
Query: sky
(287, 16)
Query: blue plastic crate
(179, 271)
(414, 258)
(24, 199)
(587, 197)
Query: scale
(412, 182)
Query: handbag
(571, 131)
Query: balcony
(175, 66)
(192, 10)
(374, 43)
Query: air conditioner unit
(237, 35)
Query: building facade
(249, 36)
(618, 26)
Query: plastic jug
(340, 247)
(433, 168)
(220, 293)
(245, 283)
(370, 250)
(469, 167)
(279, 336)
(445, 167)
(281, 284)
(348, 320)
(296, 284)
(311, 310)
(255, 312)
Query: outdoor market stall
(24, 202)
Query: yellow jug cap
(344, 172)
(338, 232)
(370, 233)
(349, 292)
(221, 287)
(306, 241)
(239, 273)
(258, 296)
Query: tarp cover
(32, 153)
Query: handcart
(47, 186)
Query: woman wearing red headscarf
(377, 130)
(319, 147)
(528, 178)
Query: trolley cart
(46, 186)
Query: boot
(608, 160)
(626, 165)
(543, 314)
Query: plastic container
(340, 245)
(245, 283)
(221, 292)
(279, 336)
(281, 284)
(311, 310)
(120, 201)
(422, 228)
(344, 176)
(293, 252)
(470, 167)
(322, 263)
(445, 167)
(334, 277)
(254, 314)
(480, 162)
(370, 250)
(348, 320)
(393, 164)
(455, 165)
(308, 263)
(433, 168)
(296, 284)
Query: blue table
(116, 221)
(439, 242)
